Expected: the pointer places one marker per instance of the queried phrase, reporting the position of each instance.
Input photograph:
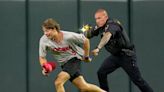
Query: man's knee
(58, 83)
(84, 88)
(81, 84)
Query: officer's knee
(138, 81)
(100, 72)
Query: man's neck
(59, 37)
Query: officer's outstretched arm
(106, 37)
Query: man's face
(100, 18)
(50, 33)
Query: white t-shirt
(64, 51)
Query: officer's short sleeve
(112, 28)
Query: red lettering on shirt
(64, 49)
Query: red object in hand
(49, 66)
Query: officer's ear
(106, 17)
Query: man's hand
(87, 59)
(48, 67)
(95, 52)
(44, 72)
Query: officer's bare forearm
(106, 37)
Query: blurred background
(20, 31)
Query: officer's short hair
(102, 10)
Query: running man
(65, 46)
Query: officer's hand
(85, 28)
(95, 52)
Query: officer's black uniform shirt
(119, 39)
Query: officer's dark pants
(128, 63)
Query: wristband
(86, 57)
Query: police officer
(115, 41)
